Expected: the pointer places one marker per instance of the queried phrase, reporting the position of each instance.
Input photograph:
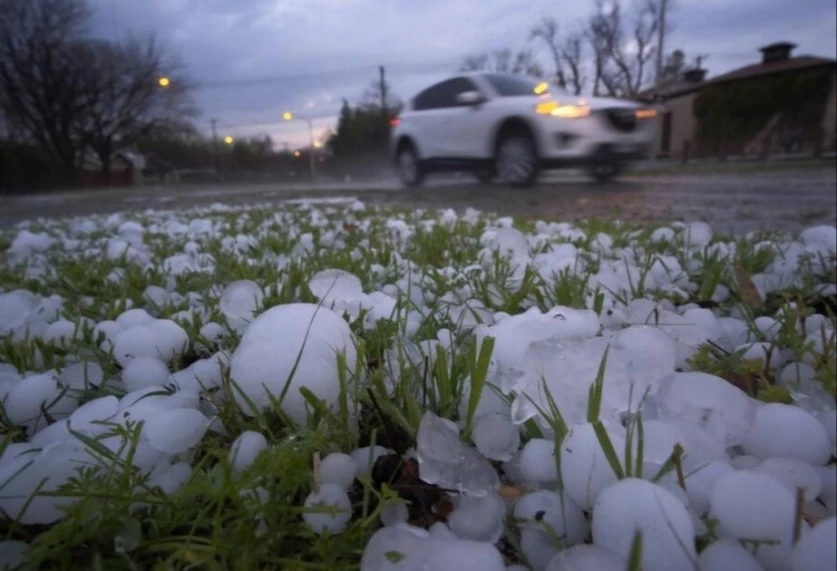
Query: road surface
(734, 202)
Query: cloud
(330, 49)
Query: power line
(402, 69)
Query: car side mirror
(470, 98)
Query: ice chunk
(787, 431)
(585, 557)
(170, 478)
(89, 417)
(143, 372)
(329, 497)
(793, 474)
(698, 234)
(444, 460)
(338, 469)
(176, 431)
(398, 512)
(133, 317)
(31, 396)
(298, 337)
(406, 548)
(817, 549)
(478, 518)
(537, 547)
(709, 401)
(335, 285)
(754, 506)
(366, 457)
(495, 436)
(537, 461)
(552, 512)
(240, 300)
(82, 376)
(585, 470)
(245, 449)
(514, 334)
(633, 505)
(568, 368)
(727, 555)
(700, 482)
(822, 237)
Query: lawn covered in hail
(341, 387)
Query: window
(512, 85)
(443, 94)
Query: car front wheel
(517, 161)
(408, 167)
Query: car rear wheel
(408, 167)
(517, 160)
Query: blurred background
(106, 93)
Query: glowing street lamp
(317, 144)
(228, 140)
(297, 154)
(164, 81)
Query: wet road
(781, 200)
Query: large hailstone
(787, 431)
(633, 505)
(709, 401)
(270, 347)
(817, 549)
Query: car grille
(621, 119)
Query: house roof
(679, 88)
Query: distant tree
(566, 52)
(522, 62)
(674, 66)
(623, 48)
(41, 91)
(123, 100)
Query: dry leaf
(748, 291)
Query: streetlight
(317, 144)
(228, 140)
(288, 116)
(163, 81)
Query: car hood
(610, 103)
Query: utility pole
(699, 60)
(383, 84)
(661, 44)
(215, 148)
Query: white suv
(510, 127)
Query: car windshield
(513, 85)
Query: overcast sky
(312, 53)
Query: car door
(453, 119)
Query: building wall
(682, 124)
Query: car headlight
(569, 111)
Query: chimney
(695, 75)
(780, 51)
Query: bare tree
(40, 91)
(572, 50)
(623, 50)
(123, 100)
(522, 62)
(547, 32)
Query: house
(680, 122)
(125, 169)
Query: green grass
(713, 166)
(217, 520)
